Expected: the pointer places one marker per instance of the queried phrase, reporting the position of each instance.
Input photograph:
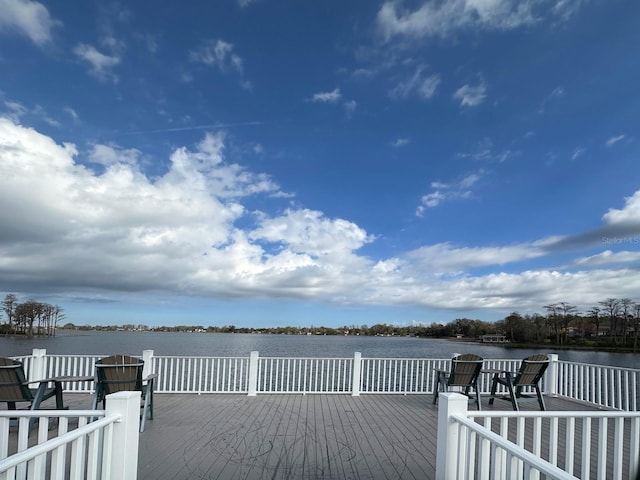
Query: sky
(263, 163)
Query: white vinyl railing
(103, 445)
(304, 375)
(611, 387)
(201, 374)
(605, 386)
(500, 445)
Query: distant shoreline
(547, 346)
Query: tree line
(613, 322)
(29, 317)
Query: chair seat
(124, 373)
(464, 373)
(529, 375)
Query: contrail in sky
(196, 127)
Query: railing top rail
(596, 365)
(407, 358)
(200, 356)
(52, 444)
(531, 459)
(52, 413)
(556, 414)
(67, 355)
(306, 358)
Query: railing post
(448, 434)
(37, 368)
(551, 380)
(357, 373)
(147, 358)
(124, 450)
(253, 374)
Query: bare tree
(9, 305)
(611, 307)
(594, 312)
(553, 319)
(626, 307)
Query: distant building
(493, 339)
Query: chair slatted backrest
(465, 370)
(531, 370)
(13, 386)
(119, 373)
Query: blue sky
(265, 163)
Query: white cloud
(27, 17)
(72, 113)
(448, 191)
(188, 231)
(16, 111)
(309, 232)
(217, 54)
(326, 97)
(444, 258)
(629, 214)
(471, 95)
(350, 107)
(613, 140)
(109, 155)
(442, 19)
(557, 92)
(577, 152)
(101, 64)
(608, 257)
(432, 199)
(400, 142)
(334, 97)
(220, 55)
(418, 84)
(470, 180)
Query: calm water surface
(239, 345)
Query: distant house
(493, 339)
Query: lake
(239, 345)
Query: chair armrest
(65, 378)
(150, 377)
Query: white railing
(201, 374)
(399, 375)
(304, 375)
(103, 446)
(611, 387)
(605, 386)
(586, 444)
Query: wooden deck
(317, 437)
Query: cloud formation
(443, 192)
(101, 64)
(28, 18)
(105, 227)
(471, 95)
(333, 96)
(220, 55)
(419, 84)
(443, 19)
